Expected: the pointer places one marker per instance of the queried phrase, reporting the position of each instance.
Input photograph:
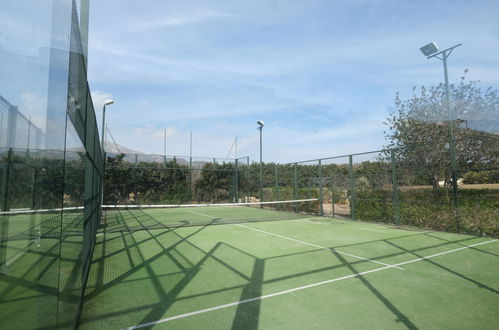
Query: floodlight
(108, 102)
(260, 123)
(429, 49)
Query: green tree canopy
(419, 129)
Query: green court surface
(308, 273)
(42, 250)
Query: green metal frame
(353, 200)
(395, 194)
(332, 196)
(321, 202)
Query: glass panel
(50, 165)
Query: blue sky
(321, 74)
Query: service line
(318, 246)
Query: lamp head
(108, 102)
(429, 49)
(260, 123)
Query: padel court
(211, 269)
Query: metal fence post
(352, 187)
(295, 185)
(309, 196)
(236, 184)
(395, 193)
(321, 203)
(4, 228)
(276, 186)
(190, 175)
(332, 196)
(6, 180)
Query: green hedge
(481, 177)
(434, 208)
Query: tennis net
(145, 217)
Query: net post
(395, 194)
(321, 205)
(352, 186)
(295, 184)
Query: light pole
(106, 102)
(431, 51)
(260, 127)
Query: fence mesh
(379, 186)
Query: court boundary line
(318, 246)
(279, 293)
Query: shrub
(476, 177)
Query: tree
(145, 182)
(216, 184)
(419, 129)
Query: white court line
(318, 246)
(201, 311)
(303, 242)
(204, 215)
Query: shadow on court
(125, 258)
(41, 263)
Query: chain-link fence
(379, 186)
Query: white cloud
(322, 78)
(99, 97)
(181, 19)
(35, 105)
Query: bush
(433, 208)
(481, 177)
(476, 177)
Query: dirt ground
(340, 209)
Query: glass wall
(50, 165)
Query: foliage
(39, 184)
(419, 129)
(481, 177)
(217, 183)
(433, 208)
(42, 179)
(145, 182)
